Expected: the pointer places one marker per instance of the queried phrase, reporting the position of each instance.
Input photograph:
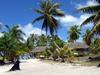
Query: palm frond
(53, 24)
(42, 4)
(58, 12)
(38, 19)
(56, 24)
(39, 11)
(90, 9)
(56, 5)
(89, 20)
(45, 25)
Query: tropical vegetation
(74, 33)
(13, 45)
(94, 11)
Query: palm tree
(12, 43)
(8, 46)
(95, 45)
(4, 45)
(87, 37)
(94, 10)
(74, 33)
(42, 40)
(58, 41)
(30, 41)
(48, 10)
(17, 33)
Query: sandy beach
(37, 67)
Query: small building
(37, 51)
(80, 48)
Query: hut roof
(39, 49)
(78, 45)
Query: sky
(20, 12)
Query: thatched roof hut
(38, 49)
(80, 48)
(78, 45)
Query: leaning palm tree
(94, 10)
(48, 10)
(74, 33)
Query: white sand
(36, 67)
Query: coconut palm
(13, 39)
(4, 45)
(8, 46)
(95, 45)
(87, 37)
(30, 41)
(58, 41)
(17, 33)
(94, 10)
(48, 10)
(74, 33)
(42, 40)
(11, 44)
(18, 47)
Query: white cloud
(70, 20)
(30, 29)
(88, 3)
(67, 20)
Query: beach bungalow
(79, 48)
(38, 50)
